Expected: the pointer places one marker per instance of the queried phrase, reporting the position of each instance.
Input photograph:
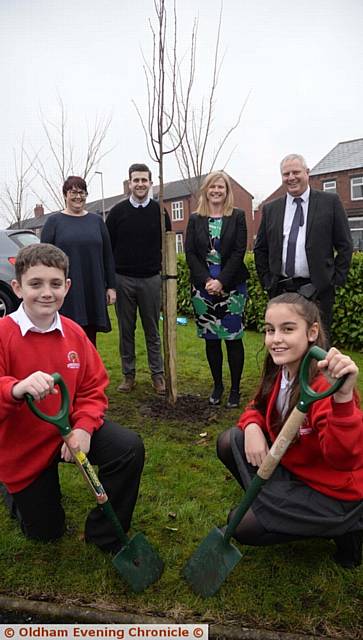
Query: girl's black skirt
(287, 505)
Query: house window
(330, 185)
(179, 242)
(356, 229)
(177, 211)
(356, 188)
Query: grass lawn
(185, 491)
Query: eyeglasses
(81, 194)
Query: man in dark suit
(304, 242)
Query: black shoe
(349, 549)
(233, 400)
(216, 395)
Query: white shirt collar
(304, 196)
(25, 324)
(137, 203)
(286, 382)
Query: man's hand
(79, 440)
(39, 384)
(256, 447)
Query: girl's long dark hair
(309, 311)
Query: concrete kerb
(50, 612)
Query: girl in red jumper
(317, 490)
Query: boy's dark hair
(74, 182)
(42, 253)
(139, 167)
(309, 311)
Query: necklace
(214, 228)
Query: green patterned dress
(218, 317)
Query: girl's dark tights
(249, 531)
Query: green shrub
(347, 327)
(257, 298)
(184, 304)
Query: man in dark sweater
(134, 228)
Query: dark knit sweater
(136, 238)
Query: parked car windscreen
(23, 239)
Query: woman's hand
(337, 365)
(256, 447)
(111, 296)
(213, 287)
(79, 440)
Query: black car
(11, 240)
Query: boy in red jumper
(317, 490)
(35, 341)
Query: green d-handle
(307, 394)
(60, 420)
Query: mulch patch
(187, 409)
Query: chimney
(126, 187)
(38, 210)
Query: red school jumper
(28, 445)
(328, 455)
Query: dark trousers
(141, 294)
(119, 454)
(91, 333)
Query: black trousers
(119, 454)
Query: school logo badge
(305, 428)
(73, 360)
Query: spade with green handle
(216, 557)
(137, 562)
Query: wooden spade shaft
(97, 489)
(265, 471)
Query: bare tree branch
(14, 194)
(195, 131)
(58, 159)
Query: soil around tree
(190, 409)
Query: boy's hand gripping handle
(61, 421)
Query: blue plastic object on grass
(180, 320)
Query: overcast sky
(301, 61)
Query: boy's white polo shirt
(20, 317)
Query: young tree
(161, 81)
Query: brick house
(340, 171)
(179, 200)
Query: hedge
(347, 327)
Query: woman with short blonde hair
(203, 206)
(215, 246)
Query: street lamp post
(102, 195)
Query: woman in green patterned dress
(215, 245)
